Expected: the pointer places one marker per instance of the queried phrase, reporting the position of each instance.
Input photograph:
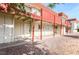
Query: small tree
(51, 5)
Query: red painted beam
(61, 27)
(33, 33)
(54, 25)
(41, 26)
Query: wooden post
(41, 26)
(54, 26)
(61, 27)
(33, 27)
(67, 27)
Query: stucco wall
(47, 28)
(22, 29)
(6, 28)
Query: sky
(70, 9)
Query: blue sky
(71, 9)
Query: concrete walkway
(60, 45)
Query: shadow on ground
(24, 49)
(72, 36)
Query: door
(21, 29)
(6, 28)
(17, 29)
(26, 28)
(8, 21)
(1, 28)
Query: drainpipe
(41, 26)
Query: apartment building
(74, 24)
(36, 22)
(65, 25)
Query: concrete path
(60, 45)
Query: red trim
(35, 16)
(58, 20)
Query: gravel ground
(24, 50)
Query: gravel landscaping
(24, 50)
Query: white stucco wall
(21, 29)
(63, 31)
(6, 28)
(75, 27)
(1, 28)
(47, 29)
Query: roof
(72, 19)
(47, 13)
(40, 5)
(62, 14)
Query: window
(28, 9)
(36, 11)
(63, 18)
(39, 26)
